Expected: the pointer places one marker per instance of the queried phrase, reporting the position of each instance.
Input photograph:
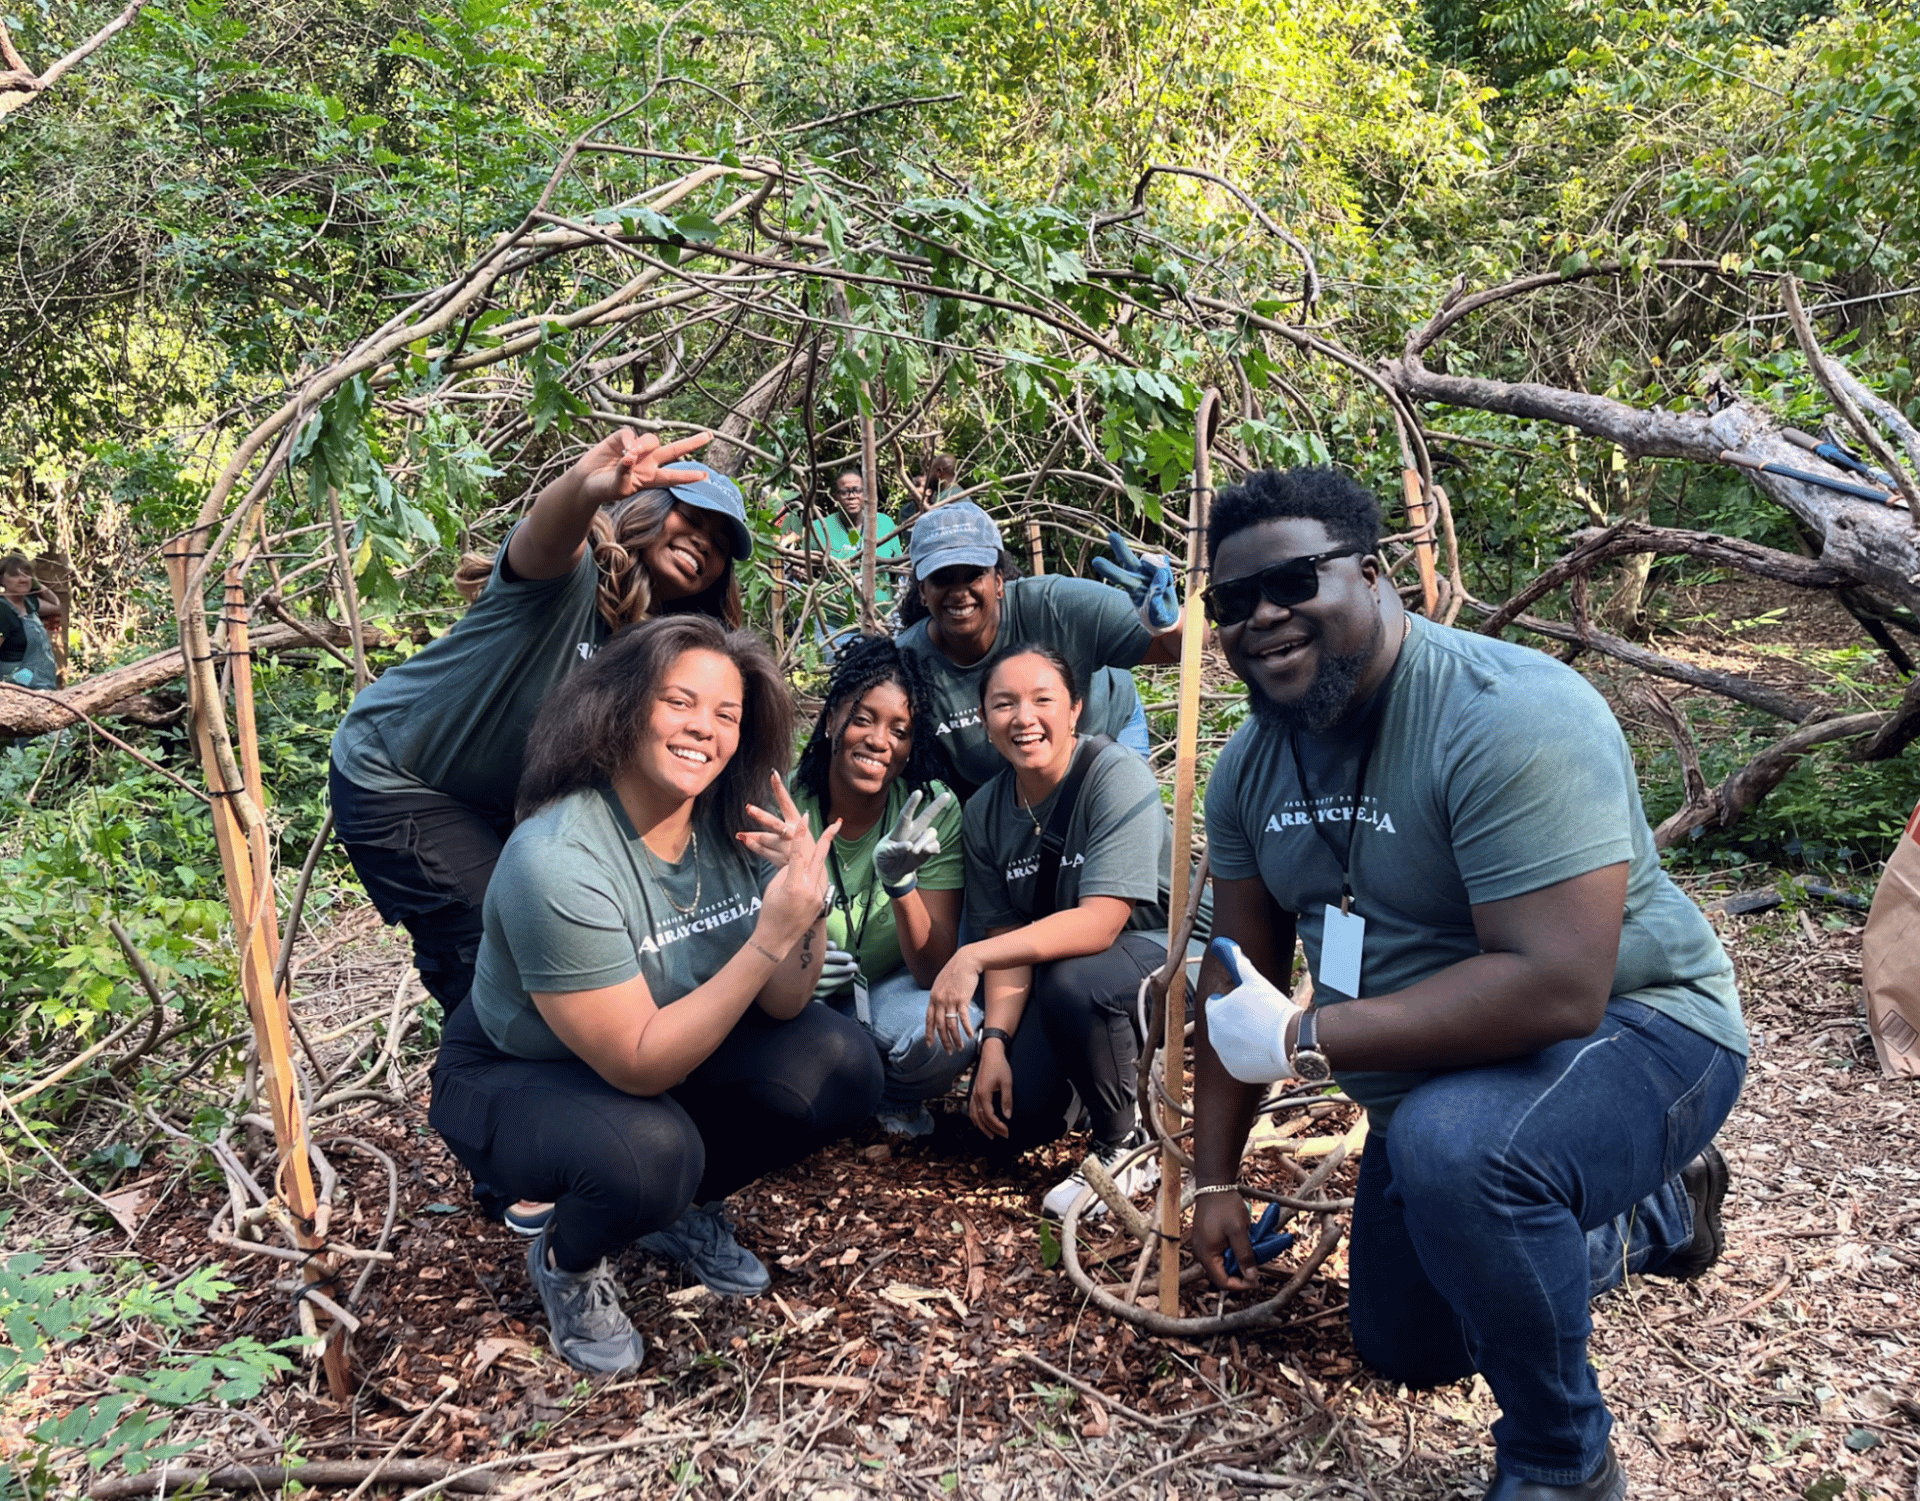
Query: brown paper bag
(1890, 958)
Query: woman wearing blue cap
(426, 763)
(968, 612)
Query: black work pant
(617, 1165)
(425, 860)
(1078, 1033)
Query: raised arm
(548, 542)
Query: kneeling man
(1542, 1027)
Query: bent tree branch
(20, 85)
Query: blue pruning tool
(1268, 1241)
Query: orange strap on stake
(1193, 635)
(1420, 517)
(246, 863)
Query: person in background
(425, 764)
(870, 768)
(26, 652)
(934, 488)
(837, 533)
(1069, 855)
(639, 1041)
(1542, 1027)
(970, 604)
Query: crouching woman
(1069, 855)
(639, 1042)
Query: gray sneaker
(583, 1315)
(701, 1240)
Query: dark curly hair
(913, 608)
(863, 665)
(591, 726)
(1347, 509)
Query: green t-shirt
(1119, 843)
(1092, 625)
(873, 936)
(837, 539)
(1495, 771)
(578, 903)
(454, 716)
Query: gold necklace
(693, 843)
(1027, 808)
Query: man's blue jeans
(1504, 1198)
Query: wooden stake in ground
(1420, 519)
(1193, 632)
(246, 862)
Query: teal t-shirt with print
(1119, 843)
(873, 936)
(454, 716)
(577, 902)
(1495, 771)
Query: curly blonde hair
(619, 534)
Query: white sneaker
(1135, 1180)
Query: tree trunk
(24, 712)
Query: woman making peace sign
(426, 762)
(639, 1042)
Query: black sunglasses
(1293, 582)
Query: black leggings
(618, 1165)
(425, 859)
(1078, 1033)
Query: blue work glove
(1248, 1025)
(1148, 582)
(24, 677)
(1269, 1240)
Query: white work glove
(837, 970)
(909, 844)
(1248, 1025)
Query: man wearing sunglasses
(1542, 1027)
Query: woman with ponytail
(426, 763)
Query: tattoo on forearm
(806, 950)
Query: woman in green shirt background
(871, 766)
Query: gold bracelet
(769, 953)
(1217, 1188)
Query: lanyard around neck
(855, 936)
(1376, 714)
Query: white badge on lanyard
(1342, 935)
(862, 1012)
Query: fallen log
(123, 690)
(263, 1478)
(1875, 544)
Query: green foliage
(42, 1310)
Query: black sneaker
(1705, 1180)
(583, 1315)
(1608, 1483)
(702, 1241)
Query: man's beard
(1328, 696)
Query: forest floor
(919, 1340)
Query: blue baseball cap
(718, 493)
(958, 534)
